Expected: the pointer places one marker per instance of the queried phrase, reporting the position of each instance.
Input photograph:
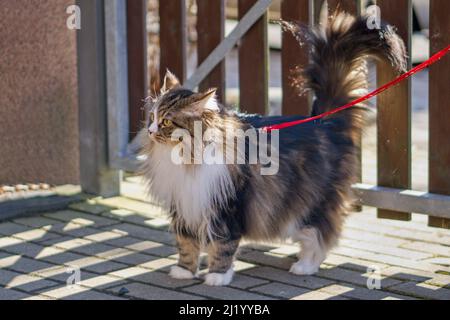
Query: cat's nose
(152, 129)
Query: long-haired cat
(214, 206)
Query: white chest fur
(195, 193)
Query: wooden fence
(392, 196)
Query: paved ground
(123, 251)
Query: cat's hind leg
(189, 252)
(312, 252)
(220, 262)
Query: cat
(213, 206)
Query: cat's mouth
(163, 140)
(156, 138)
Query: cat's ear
(170, 82)
(207, 100)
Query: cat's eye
(152, 117)
(167, 122)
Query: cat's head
(179, 108)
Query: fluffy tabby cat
(213, 207)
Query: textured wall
(38, 93)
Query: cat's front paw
(304, 268)
(178, 272)
(219, 279)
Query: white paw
(219, 279)
(304, 268)
(178, 272)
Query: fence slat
(345, 5)
(351, 6)
(173, 40)
(293, 56)
(394, 113)
(253, 64)
(439, 111)
(96, 177)
(406, 200)
(211, 31)
(137, 62)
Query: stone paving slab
(88, 207)
(144, 209)
(389, 250)
(9, 241)
(149, 292)
(268, 273)
(436, 279)
(422, 290)
(32, 250)
(353, 277)
(358, 235)
(25, 233)
(68, 243)
(38, 297)
(102, 282)
(161, 264)
(266, 259)
(225, 293)
(434, 249)
(436, 236)
(162, 279)
(145, 233)
(124, 251)
(22, 264)
(72, 215)
(78, 293)
(280, 290)
(37, 222)
(11, 228)
(346, 262)
(143, 246)
(25, 282)
(241, 281)
(60, 274)
(360, 293)
(388, 259)
(9, 294)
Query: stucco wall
(38, 93)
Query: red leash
(372, 94)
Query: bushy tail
(337, 73)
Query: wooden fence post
(211, 31)
(173, 40)
(394, 112)
(95, 175)
(349, 6)
(439, 112)
(292, 57)
(254, 64)
(137, 62)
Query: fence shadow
(128, 259)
